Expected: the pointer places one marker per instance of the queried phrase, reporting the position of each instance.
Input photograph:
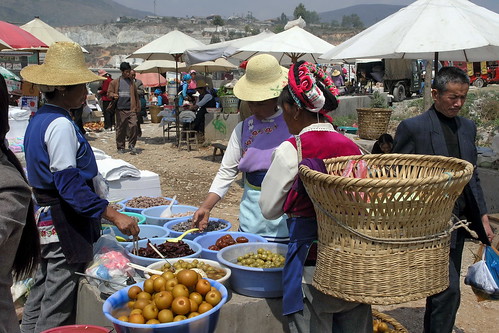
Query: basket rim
(306, 172)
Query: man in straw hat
(250, 148)
(124, 91)
(63, 174)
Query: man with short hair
(440, 131)
(123, 89)
(106, 100)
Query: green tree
(218, 22)
(215, 39)
(308, 16)
(283, 19)
(346, 21)
(356, 21)
(335, 24)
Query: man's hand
(487, 227)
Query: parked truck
(400, 77)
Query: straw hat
(201, 83)
(336, 72)
(64, 66)
(264, 79)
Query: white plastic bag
(480, 277)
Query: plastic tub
(158, 265)
(139, 210)
(169, 226)
(146, 231)
(144, 261)
(211, 237)
(251, 281)
(140, 217)
(152, 214)
(78, 329)
(204, 323)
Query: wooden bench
(218, 147)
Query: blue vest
(37, 158)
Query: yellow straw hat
(64, 66)
(264, 79)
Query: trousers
(126, 124)
(441, 308)
(325, 314)
(52, 299)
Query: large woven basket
(372, 122)
(384, 239)
(229, 103)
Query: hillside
(65, 12)
(369, 14)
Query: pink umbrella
(18, 38)
(151, 79)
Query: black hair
(28, 252)
(383, 139)
(449, 75)
(125, 66)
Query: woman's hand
(126, 224)
(200, 218)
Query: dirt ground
(188, 174)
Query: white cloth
(100, 154)
(114, 169)
(281, 174)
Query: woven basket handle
(412, 240)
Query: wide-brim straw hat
(64, 66)
(264, 79)
(336, 73)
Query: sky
(260, 9)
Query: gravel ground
(188, 174)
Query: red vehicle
(480, 73)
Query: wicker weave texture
(384, 239)
(398, 327)
(229, 103)
(372, 122)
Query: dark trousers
(198, 123)
(441, 308)
(126, 124)
(108, 115)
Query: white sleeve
(278, 180)
(230, 164)
(62, 144)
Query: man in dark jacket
(439, 131)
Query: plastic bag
(481, 278)
(109, 263)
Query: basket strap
(411, 240)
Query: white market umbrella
(288, 46)
(159, 66)
(219, 64)
(167, 47)
(222, 49)
(454, 30)
(46, 33)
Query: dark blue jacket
(424, 135)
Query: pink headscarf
(302, 84)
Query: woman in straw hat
(305, 101)
(250, 148)
(63, 174)
(17, 222)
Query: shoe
(133, 150)
(121, 151)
